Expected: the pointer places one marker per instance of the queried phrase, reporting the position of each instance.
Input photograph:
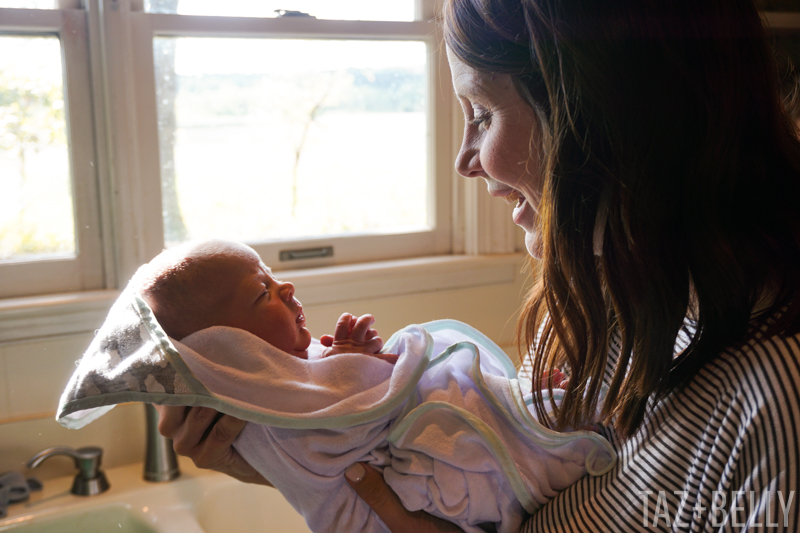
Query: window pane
(273, 139)
(399, 10)
(29, 4)
(36, 213)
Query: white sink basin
(101, 518)
(199, 501)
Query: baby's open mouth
(301, 319)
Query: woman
(656, 176)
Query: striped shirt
(722, 455)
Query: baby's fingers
(362, 327)
(374, 343)
(343, 327)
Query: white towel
(461, 444)
(448, 424)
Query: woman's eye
(481, 119)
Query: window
(36, 218)
(275, 139)
(49, 228)
(321, 133)
(313, 140)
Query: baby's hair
(178, 286)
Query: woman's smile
(522, 211)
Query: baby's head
(221, 283)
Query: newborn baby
(461, 445)
(220, 283)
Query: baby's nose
(286, 290)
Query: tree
(31, 115)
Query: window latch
(289, 13)
(307, 253)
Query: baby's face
(253, 300)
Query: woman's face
(502, 138)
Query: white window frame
(85, 269)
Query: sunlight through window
(272, 139)
(36, 208)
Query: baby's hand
(558, 380)
(354, 335)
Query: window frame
(356, 248)
(85, 270)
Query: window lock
(306, 253)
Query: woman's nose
(286, 290)
(468, 161)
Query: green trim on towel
(565, 438)
(469, 331)
(494, 443)
(557, 439)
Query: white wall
(33, 372)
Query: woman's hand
(370, 487)
(355, 335)
(206, 437)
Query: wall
(33, 372)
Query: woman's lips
(523, 214)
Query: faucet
(90, 480)
(161, 463)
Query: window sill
(64, 314)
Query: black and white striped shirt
(720, 456)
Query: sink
(103, 518)
(262, 508)
(200, 501)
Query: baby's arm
(352, 335)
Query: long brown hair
(664, 116)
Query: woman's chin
(534, 244)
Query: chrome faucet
(90, 480)
(161, 463)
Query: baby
(221, 283)
(456, 443)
